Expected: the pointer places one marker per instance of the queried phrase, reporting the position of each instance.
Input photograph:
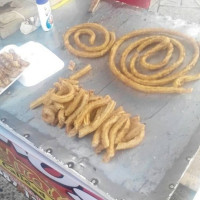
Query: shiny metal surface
(172, 121)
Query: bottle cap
(40, 2)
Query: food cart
(44, 163)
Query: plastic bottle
(45, 15)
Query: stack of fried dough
(82, 112)
(11, 65)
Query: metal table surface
(172, 121)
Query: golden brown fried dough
(49, 115)
(71, 65)
(95, 124)
(99, 148)
(85, 113)
(41, 99)
(86, 120)
(81, 72)
(57, 105)
(89, 51)
(123, 131)
(110, 151)
(89, 108)
(95, 113)
(73, 82)
(135, 129)
(70, 128)
(107, 126)
(61, 118)
(75, 103)
(96, 137)
(132, 143)
(64, 98)
(159, 81)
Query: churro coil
(83, 50)
(162, 77)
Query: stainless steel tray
(172, 121)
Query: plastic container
(45, 15)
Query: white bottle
(45, 15)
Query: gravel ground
(9, 192)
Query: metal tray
(172, 121)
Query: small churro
(81, 72)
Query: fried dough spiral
(152, 42)
(92, 51)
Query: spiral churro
(91, 51)
(153, 41)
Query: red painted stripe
(140, 3)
